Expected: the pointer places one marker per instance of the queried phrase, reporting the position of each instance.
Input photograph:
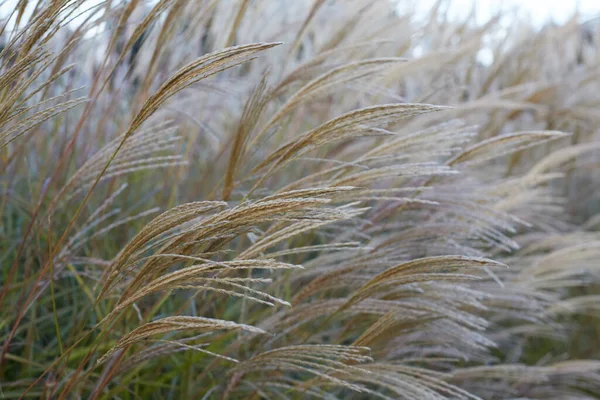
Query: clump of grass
(277, 200)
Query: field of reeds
(290, 199)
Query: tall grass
(277, 200)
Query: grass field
(212, 199)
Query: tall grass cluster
(261, 199)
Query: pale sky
(538, 11)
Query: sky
(538, 11)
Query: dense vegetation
(290, 199)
